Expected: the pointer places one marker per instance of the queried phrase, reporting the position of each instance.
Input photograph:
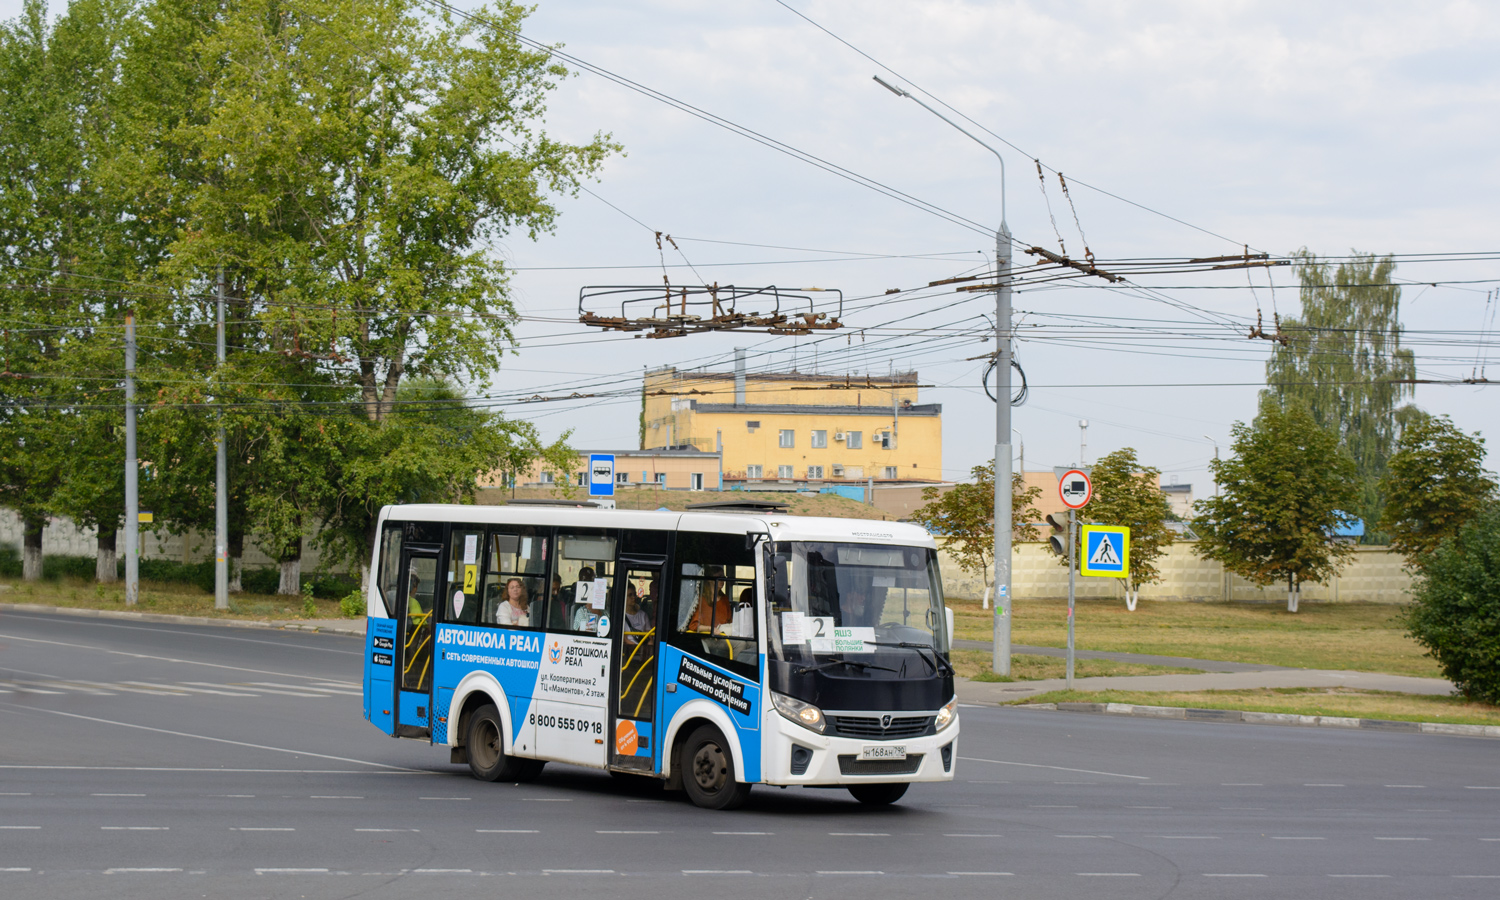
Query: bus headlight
(804, 714)
(947, 714)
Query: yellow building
(796, 429)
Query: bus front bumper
(797, 755)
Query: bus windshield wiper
(937, 663)
(843, 662)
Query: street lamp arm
(910, 96)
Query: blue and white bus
(713, 649)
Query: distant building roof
(1176, 489)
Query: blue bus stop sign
(601, 475)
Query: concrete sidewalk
(1008, 692)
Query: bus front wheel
(488, 760)
(878, 794)
(708, 771)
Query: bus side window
(390, 567)
(713, 612)
(465, 558)
(517, 566)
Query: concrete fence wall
(1373, 575)
(62, 538)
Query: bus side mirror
(948, 614)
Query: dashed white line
(15, 794)
(36, 827)
(1455, 876)
(1490, 839)
(123, 870)
(1003, 762)
(15, 869)
(1481, 787)
(506, 831)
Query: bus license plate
(883, 751)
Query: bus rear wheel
(878, 794)
(485, 741)
(708, 771)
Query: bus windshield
(840, 601)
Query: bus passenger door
(414, 612)
(633, 682)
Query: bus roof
(779, 526)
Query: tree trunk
(1292, 595)
(291, 569)
(106, 566)
(31, 548)
(236, 561)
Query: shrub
(1456, 615)
(353, 605)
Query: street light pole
(1001, 660)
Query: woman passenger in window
(637, 620)
(714, 610)
(516, 608)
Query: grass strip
(975, 666)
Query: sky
(1331, 126)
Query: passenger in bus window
(516, 608)
(637, 620)
(585, 617)
(714, 610)
(860, 610)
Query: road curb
(163, 618)
(1263, 718)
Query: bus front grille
(849, 764)
(869, 727)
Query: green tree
(1282, 493)
(965, 517)
(1343, 362)
(1129, 494)
(1456, 608)
(1435, 483)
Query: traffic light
(1058, 540)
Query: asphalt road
(181, 761)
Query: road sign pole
(1072, 572)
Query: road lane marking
(306, 687)
(171, 659)
(1455, 876)
(20, 827)
(1003, 762)
(15, 869)
(15, 793)
(1481, 787)
(204, 737)
(859, 834)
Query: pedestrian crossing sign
(1106, 551)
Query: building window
(854, 440)
(753, 472)
(814, 473)
(819, 440)
(622, 478)
(546, 478)
(751, 425)
(787, 438)
(661, 479)
(581, 478)
(886, 442)
(890, 472)
(697, 481)
(784, 472)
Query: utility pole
(1000, 662)
(1072, 573)
(221, 485)
(132, 487)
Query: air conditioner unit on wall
(838, 471)
(838, 435)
